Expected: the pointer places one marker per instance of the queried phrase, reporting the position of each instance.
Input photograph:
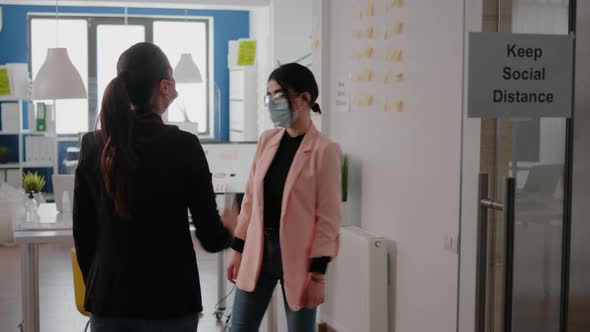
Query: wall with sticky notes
(393, 100)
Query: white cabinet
(242, 104)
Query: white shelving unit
(23, 164)
(243, 103)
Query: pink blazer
(310, 216)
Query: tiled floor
(57, 309)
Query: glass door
(521, 245)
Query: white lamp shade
(58, 78)
(186, 70)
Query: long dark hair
(299, 79)
(126, 99)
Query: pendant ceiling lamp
(58, 78)
(187, 71)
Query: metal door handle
(485, 204)
(482, 248)
(509, 213)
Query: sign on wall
(520, 75)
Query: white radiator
(357, 284)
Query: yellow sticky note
(399, 76)
(384, 78)
(358, 15)
(361, 101)
(368, 75)
(398, 27)
(384, 7)
(397, 55)
(4, 82)
(370, 32)
(247, 53)
(398, 105)
(370, 9)
(397, 3)
(366, 101)
(369, 53)
(316, 44)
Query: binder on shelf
(41, 117)
(29, 148)
(10, 118)
(50, 118)
(32, 118)
(39, 149)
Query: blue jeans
(249, 307)
(108, 324)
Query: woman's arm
(213, 236)
(85, 223)
(328, 215)
(327, 227)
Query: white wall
(406, 166)
(261, 31)
(286, 26)
(292, 25)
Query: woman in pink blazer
(289, 225)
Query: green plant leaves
(33, 182)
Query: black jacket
(145, 267)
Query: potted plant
(33, 184)
(4, 154)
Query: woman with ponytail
(290, 220)
(135, 181)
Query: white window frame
(147, 20)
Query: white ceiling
(212, 4)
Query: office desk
(56, 227)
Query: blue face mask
(280, 113)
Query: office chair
(79, 287)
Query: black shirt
(274, 180)
(145, 267)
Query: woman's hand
(234, 266)
(229, 218)
(315, 293)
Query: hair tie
(316, 108)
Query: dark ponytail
(118, 160)
(298, 79)
(126, 100)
